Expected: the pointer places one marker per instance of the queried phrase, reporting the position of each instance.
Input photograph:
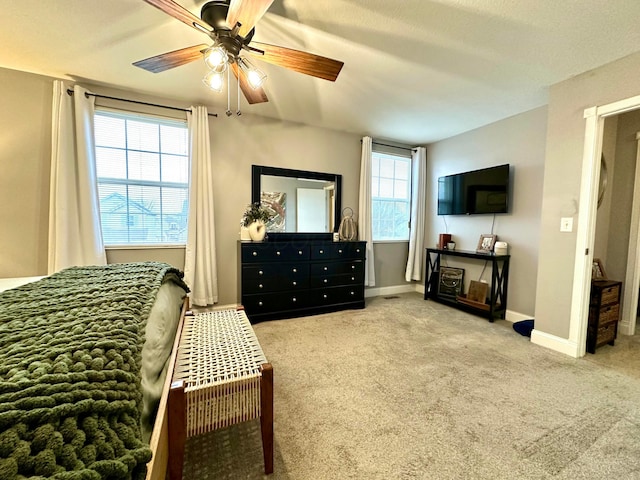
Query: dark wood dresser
(283, 279)
(604, 313)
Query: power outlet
(566, 224)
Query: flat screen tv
(476, 192)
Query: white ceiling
(416, 71)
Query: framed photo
(486, 242)
(597, 270)
(450, 282)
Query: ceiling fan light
(215, 56)
(214, 80)
(255, 76)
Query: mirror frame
(258, 170)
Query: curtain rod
(70, 92)
(394, 146)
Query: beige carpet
(411, 389)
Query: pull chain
(238, 112)
(228, 112)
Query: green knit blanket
(70, 361)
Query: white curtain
(75, 235)
(364, 215)
(200, 268)
(416, 232)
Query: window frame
(157, 120)
(390, 153)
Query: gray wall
(562, 173)
(520, 142)
(237, 143)
(25, 150)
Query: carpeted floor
(411, 389)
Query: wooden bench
(221, 378)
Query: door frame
(627, 324)
(585, 234)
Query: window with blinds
(142, 166)
(390, 196)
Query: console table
(497, 306)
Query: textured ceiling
(415, 71)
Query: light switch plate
(566, 224)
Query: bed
(84, 356)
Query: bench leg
(177, 429)
(266, 418)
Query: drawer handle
(340, 251)
(260, 272)
(353, 279)
(255, 254)
(321, 251)
(294, 299)
(353, 293)
(326, 268)
(353, 267)
(324, 296)
(326, 281)
(259, 304)
(295, 270)
(295, 283)
(278, 253)
(357, 250)
(260, 286)
(299, 252)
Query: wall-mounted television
(477, 192)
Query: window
(391, 196)
(142, 166)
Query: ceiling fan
(230, 24)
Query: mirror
(301, 201)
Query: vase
(244, 234)
(257, 231)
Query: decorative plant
(254, 213)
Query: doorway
(589, 186)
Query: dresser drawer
(275, 302)
(610, 295)
(338, 251)
(336, 268)
(337, 280)
(606, 334)
(606, 314)
(260, 272)
(265, 252)
(330, 296)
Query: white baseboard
(393, 290)
(514, 317)
(552, 342)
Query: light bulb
(214, 80)
(255, 76)
(215, 56)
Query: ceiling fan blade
(302, 62)
(247, 12)
(166, 61)
(252, 95)
(179, 12)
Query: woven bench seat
(221, 378)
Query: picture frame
(450, 282)
(597, 270)
(478, 292)
(486, 243)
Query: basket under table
(221, 378)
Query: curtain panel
(418, 199)
(75, 234)
(200, 254)
(365, 231)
